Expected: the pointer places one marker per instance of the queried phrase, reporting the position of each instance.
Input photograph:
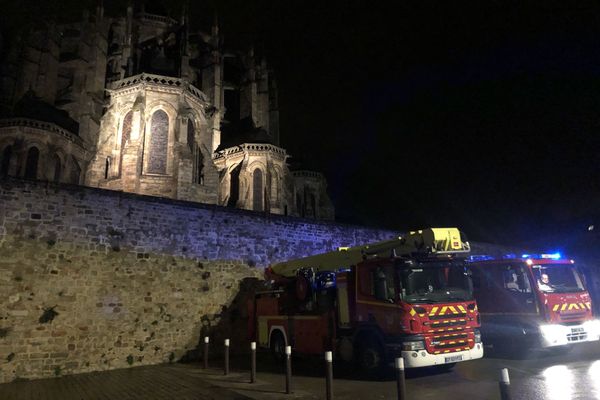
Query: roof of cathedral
(244, 132)
(31, 106)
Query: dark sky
(484, 117)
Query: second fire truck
(533, 302)
(410, 297)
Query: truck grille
(447, 316)
(436, 325)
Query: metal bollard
(288, 369)
(504, 385)
(329, 374)
(226, 358)
(253, 362)
(400, 378)
(206, 340)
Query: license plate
(577, 330)
(453, 359)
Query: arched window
(75, 171)
(5, 163)
(31, 165)
(159, 140)
(257, 190)
(198, 166)
(57, 168)
(107, 167)
(275, 187)
(125, 135)
(191, 134)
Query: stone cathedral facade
(142, 103)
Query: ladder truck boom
(426, 242)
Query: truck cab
(420, 309)
(533, 301)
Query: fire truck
(410, 297)
(532, 302)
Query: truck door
(505, 299)
(377, 296)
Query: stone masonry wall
(94, 279)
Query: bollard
(329, 374)
(226, 358)
(206, 340)
(400, 378)
(288, 369)
(504, 385)
(253, 362)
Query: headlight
(412, 346)
(551, 333)
(592, 327)
(477, 336)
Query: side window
(382, 279)
(515, 279)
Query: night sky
(486, 118)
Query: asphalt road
(572, 375)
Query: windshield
(558, 278)
(435, 282)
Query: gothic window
(191, 134)
(31, 165)
(75, 172)
(125, 135)
(199, 167)
(257, 190)
(5, 163)
(57, 168)
(159, 140)
(275, 187)
(313, 204)
(107, 167)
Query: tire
(371, 358)
(277, 345)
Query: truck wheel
(278, 346)
(370, 358)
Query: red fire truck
(532, 302)
(409, 297)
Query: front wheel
(371, 358)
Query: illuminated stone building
(142, 103)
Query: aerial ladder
(431, 242)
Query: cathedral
(143, 103)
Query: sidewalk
(160, 382)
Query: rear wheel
(278, 346)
